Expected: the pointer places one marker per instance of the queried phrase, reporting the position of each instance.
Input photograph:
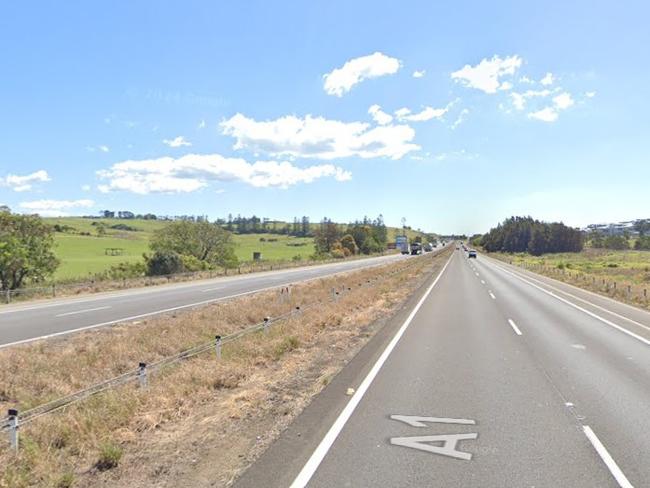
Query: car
(471, 253)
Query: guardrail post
(142, 374)
(645, 293)
(629, 291)
(298, 309)
(217, 346)
(53, 290)
(8, 296)
(266, 325)
(13, 428)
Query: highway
(490, 377)
(26, 322)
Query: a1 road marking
(446, 443)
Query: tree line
(525, 234)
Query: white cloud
(201, 124)
(548, 79)
(85, 187)
(461, 118)
(427, 113)
(103, 148)
(195, 171)
(419, 74)
(177, 142)
(55, 208)
(590, 94)
(519, 99)
(341, 80)
(486, 75)
(24, 183)
(316, 137)
(525, 79)
(379, 116)
(547, 114)
(563, 101)
(506, 85)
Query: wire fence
(97, 284)
(12, 422)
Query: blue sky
(451, 115)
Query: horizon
(452, 122)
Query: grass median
(200, 419)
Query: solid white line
(492, 295)
(482, 282)
(514, 326)
(82, 311)
(643, 326)
(213, 289)
(621, 479)
(577, 307)
(318, 455)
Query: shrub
(338, 253)
(164, 263)
(190, 263)
(109, 456)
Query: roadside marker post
(13, 428)
(142, 374)
(266, 325)
(217, 346)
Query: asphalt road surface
(29, 321)
(492, 377)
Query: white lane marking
(82, 311)
(417, 421)
(577, 307)
(492, 295)
(514, 326)
(582, 347)
(317, 456)
(593, 304)
(364, 263)
(482, 282)
(133, 317)
(148, 314)
(214, 288)
(476, 274)
(607, 458)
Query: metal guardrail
(15, 419)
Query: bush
(164, 263)
(338, 253)
(616, 242)
(190, 263)
(124, 270)
(109, 456)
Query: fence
(53, 290)
(15, 419)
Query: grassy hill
(82, 252)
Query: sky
(452, 115)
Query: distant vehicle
(471, 253)
(428, 247)
(416, 248)
(402, 243)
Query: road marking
(622, 480)
(593, 304)
(579, 346)
(514, 326)
(482, 282)
(416, 421)
(317, 456)
(476, 274)
(82, 311)
(578, 307)
(448, 448)
(492, 295)
(196, 304)
(214, 288)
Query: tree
(524, 234)
(642, 226)
(203, 240)
(4, 208)
(326, 236)
(26, 244)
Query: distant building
(613, 229)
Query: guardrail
(51, 290)
(15, 419)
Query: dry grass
(72, 447)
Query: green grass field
(632, 266)
(84, 255)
